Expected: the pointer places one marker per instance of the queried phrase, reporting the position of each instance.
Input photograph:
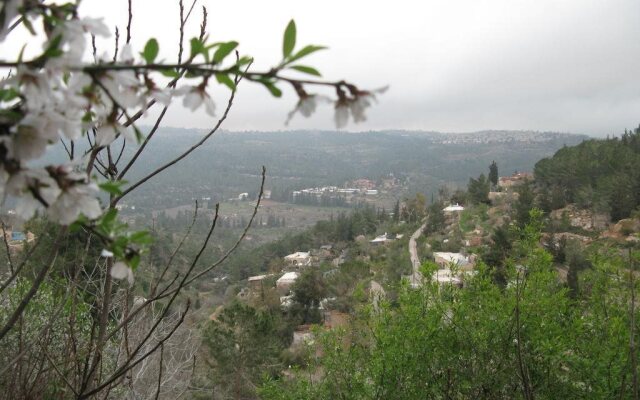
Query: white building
(285, 282)
(445, 260)
(380, 239)
(453, 208)
(299, 258)
(445, 276)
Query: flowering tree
(89, 103)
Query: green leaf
(306, 70)
(150, 50)
(197, 47)
(305, 52)
(272, 88)
(289, 41)
(53, 49)
(225, 80)
(8, 94)
(133, 261)
(112, 187)
(223, 51)
(108, 220)
(169, 73)
(244, 60)
(141, 237)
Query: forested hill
(229, 163)
(600, 174)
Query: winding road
(415, 279)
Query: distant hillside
(600, 174)
(230, 162)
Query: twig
(160, 370)
(186, 153)
(34, 286)
(6, 246)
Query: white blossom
(79, 198)
(306, 106)
(358, 106)
(162, 96)
(108, 131)
(106, 253)
(341, 116)
(194, 97)
(123, 87)
(73, 42)
(36, 87)
(27, 142)
(25, 184)
(120, 270)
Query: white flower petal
(120, 270)
(106, 253)
(209, 105)
(105, 134)
(192, 100)
(341, 116)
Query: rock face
(625, 227)
(584, 219)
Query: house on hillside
(517, 178)
(453, 208)
(299, 259)
(256, 283)
(446, 276)
(446, 260)
(382, 239)
(285, 282)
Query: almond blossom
(121, 270)
(341, 116)
(195, 96)
(109, 131)
(307, 105)
(78, 199)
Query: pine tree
(493, 173)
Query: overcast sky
(452, 65)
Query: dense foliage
(600, 174)
(528, 339)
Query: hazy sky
(452, 65)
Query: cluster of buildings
(334, 190)
(385, 238)
(292, 265)
(489, 137)
(518, 178)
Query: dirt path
(415, 279)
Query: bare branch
(186, 153)
(35, 285)
(6, 246)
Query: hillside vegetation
(600, 174)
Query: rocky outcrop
(584, 219)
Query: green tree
(436, 220)
(493, 173)
(244, 345)
(524, 204)
(308, 290)
(478, 190)
(526, 340)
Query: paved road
(415, 278)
